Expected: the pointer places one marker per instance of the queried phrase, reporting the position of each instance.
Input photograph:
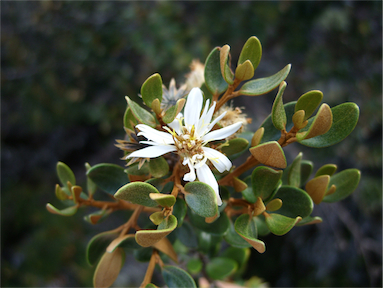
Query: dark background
(66, 67)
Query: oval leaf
(327, 169)
(165, 200)
(317, 188)
(263, 85)
(97, 245)
(278, 114)
(147, 238)
(270, 154)
(234, 239)
(141, 114)
(294, 173)
(246, 227)
(152, 89)
(345, 117)
(137, 193)
(234, 146)
(201, 198)
(213, 76)
(65, 174)
(175, 277)
(109, 177)
(244, 71)
(129, 119)
(345, 183)
(158, 167)
(225, 69)
(308, 102)
(264, 180)
(252, 50)
(295, 202)
(221, 267)
(69, 211)
(218, 227)
(279, 224)
(108, 268)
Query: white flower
(189, 141)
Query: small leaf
(157, 218)
(246, 227)
(279, 224)
(308, 102)
(213, 76)
(278, 114)
(274, 205)
(108, 268)
(137, 193)
(175, 277)
(309, 220)
(345, 117)
(164, 200)
(264, 181)
(156, 106)
(345, 183)
(295, 202)
(147, 238)
(240, 255)
(233, 238)
(141, 114)
(126, 241)
(306, 169)
(294, 174)
(239, 185)
(69, 211)
(218, 227)
(65, 174)
(248, 193)
(299, 119)
(109, 177)
(129, 119)
(234, 146)
(225, 69)
(60, 193)
(317, 188)
(257, 137)
(244, 71)
(252, 50)
(220, 267)
(271, 133)
(328, 169)
(264, 85)
(166, 247)
(152, 89)
(90, 185)
(201, 198)
(270, 154)
(194, 266)
(179, 211)
(97, 245)
(318, 125)
(173, 111)
(158, 167)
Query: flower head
(189, 139)
(172, 95)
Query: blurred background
(66, 67)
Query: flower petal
(219, 160)
(176, 123)
(193, 107)
(222, 133)
(204, 121)
(205, 175)
(152, 151)
(155, 135)
(191, 175)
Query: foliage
(277, 198)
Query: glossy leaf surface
(280, 224)
(251, 50)
(295, 202)
(308, 102)
(108, 177)
(152, 89)
(346, 182)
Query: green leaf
(248, 193)
(308, 102)
(158, 183)
(244, 71)
(234, 146)
(97, 245)
(175, 277)
(271, 133)
(97, 217)
(187, 236)
(328, 169)
(164, 200)
(280, 224)
(109, 177)
(126, 241)
(295, 202)
(157, 217)
(152, 89)
(264, 180)
(252, 50)
(233, 238)
(129, 119)
(65, 174)
(137, 193)
(201, 198)
(294, 174)
(194, 266)
(173, 111)
(262, 228)
(246, 227)
(108, 268)
(213, 76)
(224, 65)
(179, 211)
(149, 237)
(218, 227)
(309, 220)
(263, 85)
(278, 114)
(158, 167)
(345, 117)
(141, 114)
(90, 185)
(136, 171)
(346, 182)
(306, 169)
(240, 255)
(208, 243)
(69, 211)
(221, 267)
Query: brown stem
(150, 270)
(132, 222)
(229, 94)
